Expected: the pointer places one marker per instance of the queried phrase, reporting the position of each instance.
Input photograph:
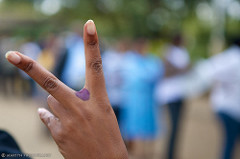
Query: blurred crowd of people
(139, 84)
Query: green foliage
(157, 20)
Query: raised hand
(83, 123)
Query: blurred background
(171, 69)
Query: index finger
(42, 76)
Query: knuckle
(87, 114)
(50, 84)
(96, 65)
(60, 136)
(68, 129)
(93, 44)
(106, 107)
(52, 106)
(28, 66)
(68, 125)
(49, 121)
(59, 140)
(89, 117)
(49, 99)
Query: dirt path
(200, 136)
(19, 117)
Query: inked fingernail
(13, 57)
(83, 94)
(91, 28)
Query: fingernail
(41, 112)
(13, 57)
(91, 29)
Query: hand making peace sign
(83, 123)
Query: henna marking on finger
(83, 94)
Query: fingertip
(13, 57)
(44, 114)
(49, 97)
(41, 112)
(7, 54)
(90, 27)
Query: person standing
(139, 116)
(176, 63)
(32, 50)
(112, 65)
(73, 72)
(225, 96)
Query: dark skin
(82, 129)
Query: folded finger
(48, 119)
(56, 107)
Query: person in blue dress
(139, 116)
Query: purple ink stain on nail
(83, 94)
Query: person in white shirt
(221, 73)
(176, 63)
(225, 96)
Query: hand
(83, 123)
